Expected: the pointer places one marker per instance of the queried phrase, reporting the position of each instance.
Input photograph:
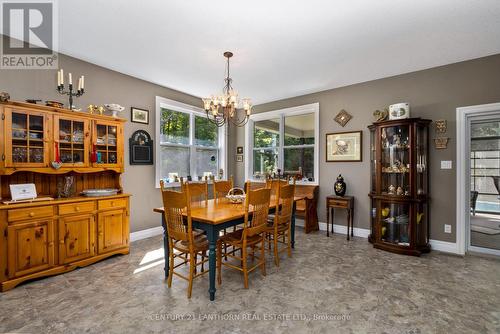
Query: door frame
(464, 114)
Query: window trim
(162, 102)
(282, 113)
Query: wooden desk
(213, 217)
(337, 202)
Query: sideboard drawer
(113, 203)
(81, 207)
(338, 204)
(30, 213)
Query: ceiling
(282, 49)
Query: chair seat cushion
(200, 244)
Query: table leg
(333, 217)
(352, 222)
(292, 222)
(212, 235)
(166, 251)
(348, 222)
(327, 219)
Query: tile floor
(328, 286)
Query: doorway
(484, 218)
(478, 179)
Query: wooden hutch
(399, 193)
(55, 236)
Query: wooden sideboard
(55, 236)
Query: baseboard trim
(340, 229)
(444, 246)
(438, 245)
(147, 233)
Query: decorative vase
(66, 187)
(340, 186)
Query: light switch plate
(447, 228)
(446, 164)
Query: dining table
(213, 216)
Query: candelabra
(70, 92)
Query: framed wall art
(344, 146)
(141, 148)
(138, 115)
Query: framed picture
(239, 150)
(344, 146)
(239, 158)
(138, 115)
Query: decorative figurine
(340, 186)
(399, 191)
(4, 97)
(381, 115)
(385, 212)
(396, 140)
(391, 190)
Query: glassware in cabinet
(395, 160)
(72, 140)
(107, 140)
(26, 140)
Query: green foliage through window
(174, 126)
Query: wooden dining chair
(181, 237)
(250, 185)
(221, 187)
(198, 191)
(250, 237)
(280, 226)
(274, 184)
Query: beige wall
(105, 86)
(432, 94)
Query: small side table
(337, 202)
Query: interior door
(112, 230)
(31, 247)
(76, 238)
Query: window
(286, 140)
(187, 143)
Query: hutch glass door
(106, 144)
(72, 141)
(26, 146)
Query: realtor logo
(28, 35)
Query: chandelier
(222, 109)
